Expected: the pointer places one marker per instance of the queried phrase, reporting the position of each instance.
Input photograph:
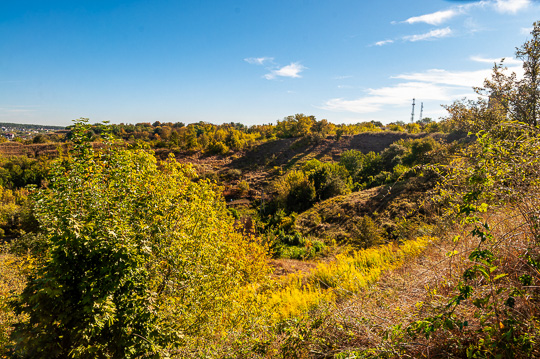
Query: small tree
(366, 233)
(527, 98)
(505, 97)
(139, 257)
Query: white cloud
(292, 70)
(435, 18)
(258, 60)
(436, 85)
(526, 30)
(511, 6)
(342, 77)
(398, 95)
(449, 78)
(383, 42)
(507, 60)
(433, 34)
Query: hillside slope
(336, 217)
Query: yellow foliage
(12, 281)
(295, 294)
(295, 298)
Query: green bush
(139, 259)
(329, 179)
(353, 161)
(295, 192)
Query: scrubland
(295, 240)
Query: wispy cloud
(431, 85)
(466, 79)
(292, 70)
(511, 6)
(507, 60)
(398, 95)
(435, 18)
(433, 34)
(526, 30)
(383, 42)
(259, 60)
(343, 77)
(11, 107)
(17, 110)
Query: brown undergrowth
(388, 319)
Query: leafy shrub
(371, 167)
(393, 156)
(395, 127)
(20, 171)
(353, 161)
(419, 149)
(16, 216)
(329, 179)
(308, 251)
(140, 258)
(295, 192)
(12, 282)
(413, 128)
(218, 148)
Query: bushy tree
(353, 161)
(329, 179)
(527, 96)
(140, 258)
(295, 191)
(392, 156)
(504, 96)
(366, 233)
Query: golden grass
(374, 320)
(348, 274)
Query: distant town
(14, 131)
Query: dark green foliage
(295, 192)
(300, 196)
(419, 148)
(372, 166)
(374, 169)
(353, 161)
(329, 179)
(393, 156)
(20, 171)
(294, 245)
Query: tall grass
(348, 274)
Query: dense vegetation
(430, 247)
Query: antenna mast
(412, 113)
(421, 110)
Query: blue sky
(253, 61)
